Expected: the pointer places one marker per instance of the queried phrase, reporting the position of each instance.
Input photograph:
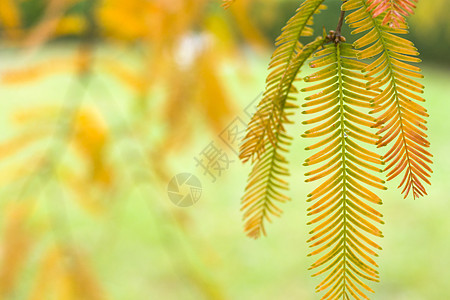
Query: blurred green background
(125, 232)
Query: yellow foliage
(71, 25)
(19, 142)
(91, 139)
(10, 18)
(15, 246)
(188, 69)
(213, 97)
(224, 42)
(124, 74)
(249, 31)
(65, 275)
(129, 20)
(31, 115)
(40, 71)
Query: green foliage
(266, 136)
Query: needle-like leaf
(342, 202)
(266, 137)
(393, 11)
(401, 119)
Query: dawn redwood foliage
(365, 95)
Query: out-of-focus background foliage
(102, 102)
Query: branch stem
(337, 34)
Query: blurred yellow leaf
(91, 138)
(65, 275)
(10, 17)
(15, 245)
(71, 25)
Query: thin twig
(337, 34)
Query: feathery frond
(266, 136)
(395, 10)
(265, 183)
(402, 122)
(279, 84)
(342, 202)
